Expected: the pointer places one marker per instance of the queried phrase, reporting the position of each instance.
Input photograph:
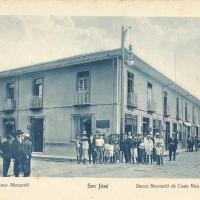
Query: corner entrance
(37, 126)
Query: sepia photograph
(99, 97)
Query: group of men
(192, 143)
(145, 150)
(97, 148)
(18, 148)
(104, 148)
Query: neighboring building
(56, 101)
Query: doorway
(145, 126)
(167, 134)
(82, 123)
(37, 126)
(131, 124)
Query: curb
(58, 158)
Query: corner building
(56, 101)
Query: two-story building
(56, 101)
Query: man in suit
(19, 154)
(7, 154)
(173, 142)
(28, 151)
(91, 151)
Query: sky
(170, 45)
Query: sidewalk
(55, 158)
(60, 158)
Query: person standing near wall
(7, 154)
(149, 149)
(19, 154)
(173, 142)
(196, 143)
(28, 151)
(78, 149)
(85, 148)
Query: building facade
(56, 101)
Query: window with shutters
(10, 90)
(83, 86)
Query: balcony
(132, 100)
(166, 111)
(9, 105)
(36, 102)
(151, 106)
(82, 98)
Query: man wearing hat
(28, 151)
(173, 142)
(149, 148)
(85, 148)
(19, 154)
(7, 154)
(99, 143)
(78, 149)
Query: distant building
(56, 101)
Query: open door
(37, 126)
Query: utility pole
(123, 37)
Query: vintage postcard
(99, 100)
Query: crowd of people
(96, 148)
(192, 144)
(18, 149)
(110, 148)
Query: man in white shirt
(99, 142)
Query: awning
(188, 123)
(197, 125)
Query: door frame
(72, 136)
(44, 123)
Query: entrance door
(145, 125)
(82, 123)
(175, 128)
(86, 124)
(187, 128)
(167, 134)
(9, 126)
(37, 133)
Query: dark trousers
(149, 158)
(154, 155)
(99, 154)
(172, 151)
(196, 147)
(20, 165)
(142, 156)
(91, 154)
(127, 155)
(6, 165)
(139, 155)
(28, 167)
(79, 156)
(159, 160)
